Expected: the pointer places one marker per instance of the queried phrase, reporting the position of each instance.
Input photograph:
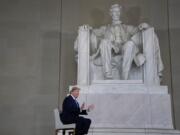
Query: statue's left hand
(87, 27)
(143, 26)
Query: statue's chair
(90, 70)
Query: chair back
(58, 123)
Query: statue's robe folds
(115, 40)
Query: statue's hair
(115, 7)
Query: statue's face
(115, 14)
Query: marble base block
(124, 108)
(114, 131)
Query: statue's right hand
(85, 27)
(115, 48)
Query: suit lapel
(75, 103)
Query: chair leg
(71, 133)
(56, 132)
(64, 132)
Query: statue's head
(115, 12)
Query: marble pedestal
(125, 131)
(128, 106)
(115, 131)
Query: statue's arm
(132, 30)
(100, 31)
(95, 37)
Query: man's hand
(90, 107)
(82, 106)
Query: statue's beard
(116, 18)
(116, 21)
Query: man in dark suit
(71, 110)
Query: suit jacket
(70, 111)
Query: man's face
(75, 93)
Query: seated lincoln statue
(117, 51)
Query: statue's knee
(129, 45)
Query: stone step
(116, 131)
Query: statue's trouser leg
(129, 52)
(105, 50)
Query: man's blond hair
(74, 88)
